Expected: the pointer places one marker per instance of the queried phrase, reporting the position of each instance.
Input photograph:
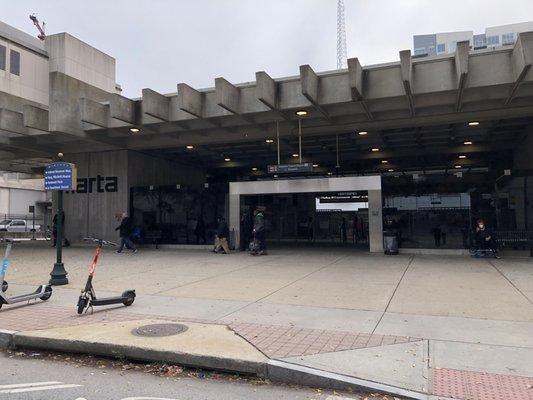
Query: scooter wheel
(130, 297)
(82, 303)
(47, 293)
(5, 285)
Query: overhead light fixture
(190, 147)
(295, 155)
(390, 170)
(315, 165)
(362, 133)
(375, 149)
(301, 113)
(473, 123)
(269, 140)
(227, 159)
(384, 161)
(467, 143)
(462, 156)
(458, 167)
(254, 169)
(135, 130)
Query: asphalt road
(38, 376)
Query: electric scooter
(43, 292)
(88, 297)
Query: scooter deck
(25, 297)
(108, 300)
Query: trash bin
(390, 243)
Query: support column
(375, 221)
(235, 217)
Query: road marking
(35, 386)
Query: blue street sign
(60, 176)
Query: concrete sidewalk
(450, 327)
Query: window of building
(508, 38)
(493, 40)
(419, 51)
(14, 62)
(479, 42)
(441, 48)
(2, 57)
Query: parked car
(18, 225)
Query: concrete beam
(461, 68)
(35, 117)
(12, 121)
(123, 109)
(406, 70)
(227, 95)
(521, 59)
(94, 113)
(190, 100)
(155, 104)
(355, 77)
(266, 89)
(311, 88)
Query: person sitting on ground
(125, 230)
(484, 238)
(221, 237)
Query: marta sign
(60, 176)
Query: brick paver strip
(481, 385)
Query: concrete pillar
(375, 221)
(235, 217)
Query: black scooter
(88, 297)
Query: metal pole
(277, 134)
(300, 138)
(33, 227)
(59, 274)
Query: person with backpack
(125, 231)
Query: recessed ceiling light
(135, 130)
(390, 170)
(468, 142)
(462, 156)
(363, 133)
(473, 123)
(254, 169)
(384, 161)
(190, 147)
(227, 159)
(375, 149)
(296, 155)
(458, 166)
(315, 165)
(301, 113)
(269, 141)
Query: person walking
(259, 233)
(66, 243)
(125, 230)
(221, 237)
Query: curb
(6, 338)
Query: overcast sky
(159, 43)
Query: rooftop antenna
(42, 34)
(341, 36)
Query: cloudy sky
(158, 43)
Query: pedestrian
(66, 243)
(221, 237)
(125, 231)
(259, 233)
(247, 227)
(484, 238)
(443, 233)
(437, 235)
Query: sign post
(32, 210)
(59, 176)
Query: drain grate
(159, 330)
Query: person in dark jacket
(125, 231)
(259, 233)
(66, 243)
(484, 237)
(221, 237)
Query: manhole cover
(159, 330)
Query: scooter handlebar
(100, 241)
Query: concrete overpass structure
(415, 115)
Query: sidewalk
(448, 327)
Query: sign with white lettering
(60, 176)
(290, 168)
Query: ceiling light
(269, 141)
(227, 159)
(135, 130)
(295, 155)
(458, 166)
(363, 133)
(462, 156)
(190, 147)
(375, 149)
(315, 165)
(254, 169)
(301, 113)
(468, 142)
(473, 123)
(390, 170)
(384, 161)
